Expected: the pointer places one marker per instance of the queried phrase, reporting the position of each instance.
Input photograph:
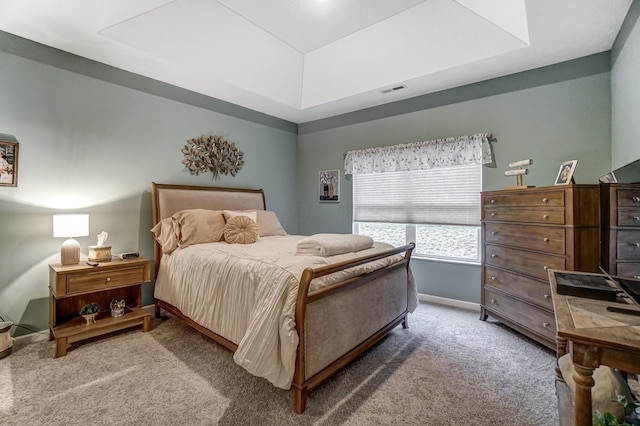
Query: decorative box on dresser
(620, 225)
(525, 232)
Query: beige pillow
(199, 226)
(166, 234)
(608, 385)
(268, 224)
(241, 230)
(228, 214)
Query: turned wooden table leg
(561, 349)
(584, 382)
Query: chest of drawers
(620, 225)
(525, 232)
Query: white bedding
(247, 294)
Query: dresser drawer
(522, 261)
(534, 291)
(629, 217)
(541, 238)
(538, 320)
(628, 198)
(529, 215)
(100, 280)
(506, 199)
(628, 269)
(629, 245)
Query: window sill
(445, 260)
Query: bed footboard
(364, 309)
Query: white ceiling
(302, 60)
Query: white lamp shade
(70, 225)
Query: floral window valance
(421, 155)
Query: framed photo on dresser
(565, 174)
(8, 163)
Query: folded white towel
(332, 244)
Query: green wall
(93, 146)
(625, 91)
(553, 114)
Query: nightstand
(73, 286)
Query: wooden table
(594, 336)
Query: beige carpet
(448, 368)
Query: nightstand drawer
(99, 280)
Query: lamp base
(70, 252)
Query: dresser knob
(493, 300)
(545, 200)
(546, 268)
(546, 296)
(493, 214)
(494, 255)
(635, 244)
(545, 216)
(545, 239)
(108, 279)
(545, 324)
(493, 201)
(635, 199)
(493, 278)
(636, 218)
(493, 232)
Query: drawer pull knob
(108, 279)
(546, 296)
(545, 239)
(545, 216)
(545, 200)
(493, 278)
(635, 244)
(635, 199)
(494, 255)
(493, 201)
(636, 218)
(546, 268)
(493, 300)
(493, 214)
(545, 324)
(493, 232)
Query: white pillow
(251, 214)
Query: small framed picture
(329, 186)
(608, 178)
(565, 174)
(8, 163)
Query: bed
(293, 318)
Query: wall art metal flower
(212, 154)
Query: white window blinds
(442, 195)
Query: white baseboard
(449, 302)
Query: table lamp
(69, 226)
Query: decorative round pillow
(241, 230)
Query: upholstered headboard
(167, 199)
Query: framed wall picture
(8, 163)
(565, 174)
(329, 186)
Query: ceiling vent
(393, 89)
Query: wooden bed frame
(314, 310)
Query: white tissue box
(99, 253)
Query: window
(423, 192)
(438, 209)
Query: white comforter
(247, 294)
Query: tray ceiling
(302, 60)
